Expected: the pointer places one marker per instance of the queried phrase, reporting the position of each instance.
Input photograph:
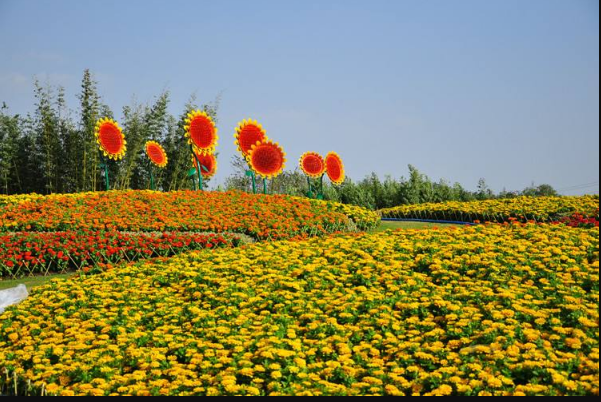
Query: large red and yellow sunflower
(110, 138)
(156, 153)
(267, 159)
(208, 164)
(248, 133)
(313, 165)
(335, 168)
(201, 132)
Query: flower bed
(27, 254)
(364, 219)
(492, 309)
(262, 217)
(523, 209)
(581, 221)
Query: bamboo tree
(46, 140)
(69, 165)
(9, 141)
(85, 144)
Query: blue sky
(505, 90)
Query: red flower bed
(23, 254)
(581, 221)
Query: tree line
(376, 193)
(54, 149)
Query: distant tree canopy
(375, 193)
(54, 150)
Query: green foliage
(54, 150)
(9, 146)
(374, 193)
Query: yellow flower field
(487, 310)
(539, 209)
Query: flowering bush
(262, 217)
(492, 309)
(24, 254)
(539, 209)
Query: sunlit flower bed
(263, 217)
(17, 199)
(32, 253)
(541, 209)
(362, 218)
(493, 309)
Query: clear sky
(507, 90)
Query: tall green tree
(69, 165)
(85, 146)
(47, 142)
(155, 126)
(9, 145)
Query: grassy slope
(31, 282)
(384, 226)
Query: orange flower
(313, 165)
(110, 138)
(208, 164)
(156, 153)
(335, 168)
(201, 132)
(248, 133)
(267, 159)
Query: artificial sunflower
(208, 164)
(248, 133)
(110, 138)
(201, 132)
(335, 168)
(156, 153)
(267, 159)
(313, 165)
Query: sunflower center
(334, 169)
(202, 132)
(313, 164)
(207, 164)
(249, 136)
(111, 139)
(267, 160)
(156, 154)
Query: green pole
(152, 187)
(254, 183)
(197, 164)
(200, 181)
(265, 186)
(106, 173)
(321, 196)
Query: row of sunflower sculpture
(266, 159)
